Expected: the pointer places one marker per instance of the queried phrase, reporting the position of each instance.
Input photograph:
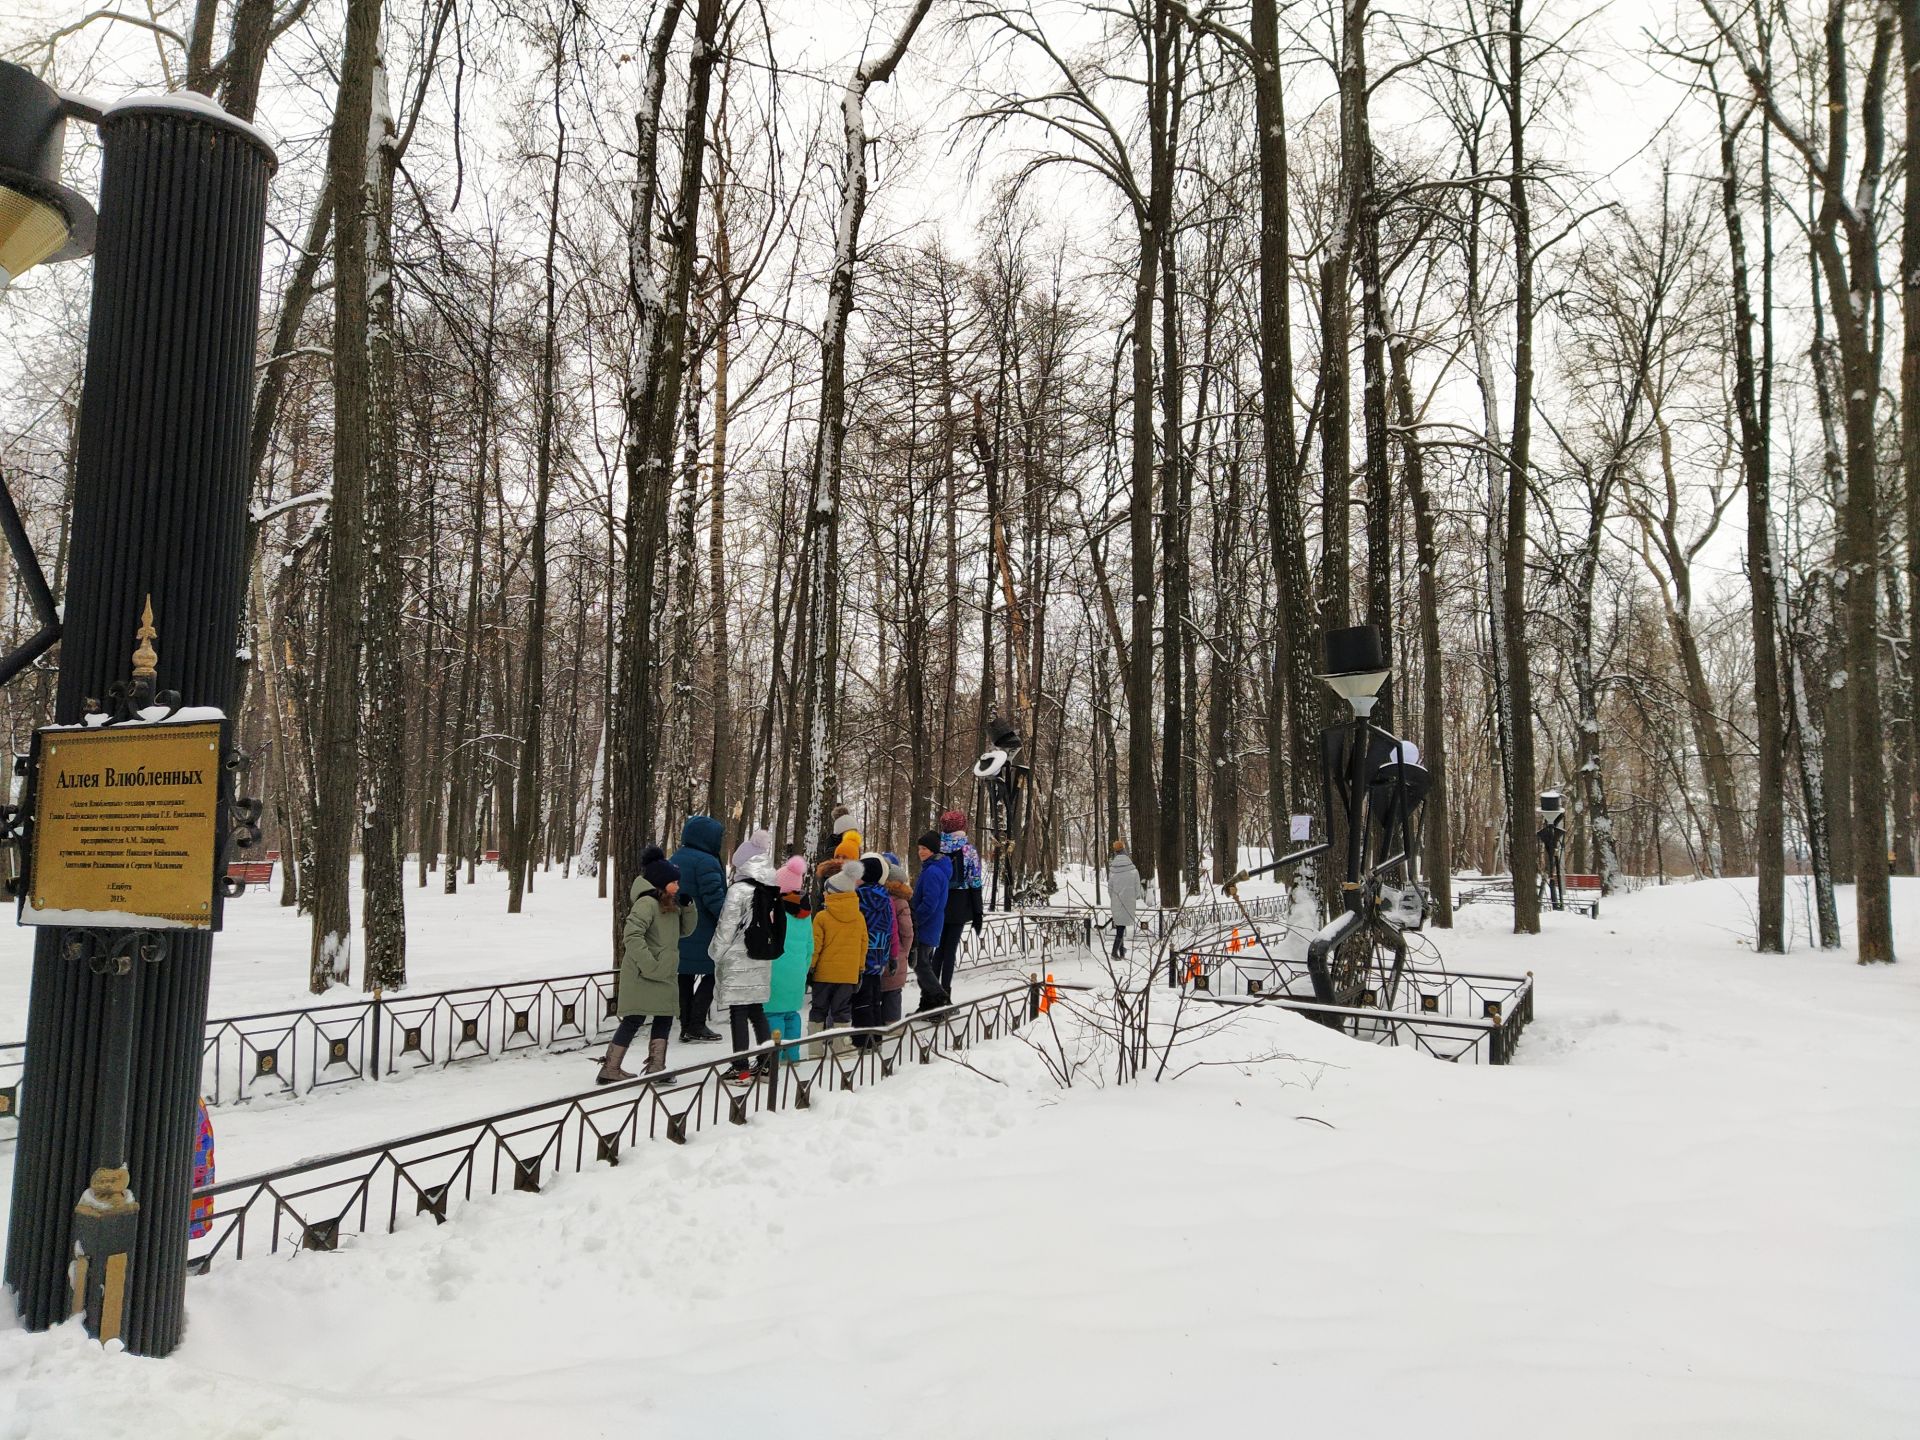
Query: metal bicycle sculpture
(1360, 958)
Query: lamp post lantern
(40, 219)
(111, 1079)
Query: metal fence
(299, 1051)
(432, 1175)
(1162, 921)
(1453, 1015)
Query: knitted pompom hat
(952, 820)
(792, 875)
(849, 846)
(846, 878)
(756, 846)
(657, 870)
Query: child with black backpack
(750, 935)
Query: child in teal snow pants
(788, 998)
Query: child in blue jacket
(930, 888)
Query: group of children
(757, 938)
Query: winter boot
(656, 1057)
(610, 1070)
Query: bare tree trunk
(1291, 754)
(652, 403)
(1769, 827)
(533, 673)
(1904, 841)
(338, 738)
(722, 700)
(1433, 717)
(1163, 110)
(1373, 343)
(1846, 245)
(382, 827)
(819, 745)
(1526, 898)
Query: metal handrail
(312, 1202)
(300, 1050)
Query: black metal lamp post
(159, 513)
(1552, 836)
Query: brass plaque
(124, 827)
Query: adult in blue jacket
(703, 879)
(930, 889)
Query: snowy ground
(1689, 1209)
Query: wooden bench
(1582, 894)
(251, 874)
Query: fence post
(773, 1072)
(1033, 997)
(374, 1069)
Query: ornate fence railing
(1033, 935)
(1160, 921)
(299, 1051)
(431, 1175)
(1453, 1015)
(296, 1052)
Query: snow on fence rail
(381, 1188)
(298, 1051)
(1451, 1015)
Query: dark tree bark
(1438, 840)
(819, 757)
(652, 403)
(1290, 744)
(533, 675)
(1846, 245)
(1769, 828)
(1513, 622)
(338, 727)
(383, 920)
(1904, 841)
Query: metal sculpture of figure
(1552, 836)
(1360, 956)
(1002, 781)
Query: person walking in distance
(649, 965)
(930, 888)
(1123, 889)
(963, 894)
(704, 882)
